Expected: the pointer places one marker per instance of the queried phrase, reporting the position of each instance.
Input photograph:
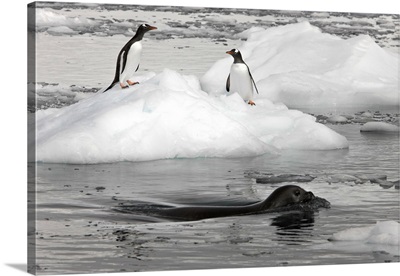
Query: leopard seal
(283, 196)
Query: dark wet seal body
(281, 198)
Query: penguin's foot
(123, 86)
(132, 82)
(251, 103)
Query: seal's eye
(297, 193)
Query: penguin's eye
(297, 193)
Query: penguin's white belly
(240, 81)
(132, 62)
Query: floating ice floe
(168, 116)
(48, 18)
(379, 127)
(299, 65)
(362, 118)
(381, 180)
(282, 178)
(337, 119)
(383, 232)
(61, 30)
(212, 23)
(46, 95)
(270, 178)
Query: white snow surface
(300, 66)
(168, 116)
(383, 232)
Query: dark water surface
(79, 230)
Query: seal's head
(287, 195)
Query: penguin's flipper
(228, 82)
(252, 80)
(123, 57)
(117, 73)
(137, 67)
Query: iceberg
(301, 66)
(168, 115)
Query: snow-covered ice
(168, 116)
(383, 232)
(379, 127)
(301, 66)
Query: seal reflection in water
(281, 197)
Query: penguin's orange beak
(230, 52)
(152, 28)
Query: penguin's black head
(237, 56)
(234, 52)
(145, 28)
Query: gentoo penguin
(129, 58)
(240, 79)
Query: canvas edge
(31, 133)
